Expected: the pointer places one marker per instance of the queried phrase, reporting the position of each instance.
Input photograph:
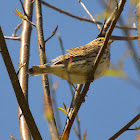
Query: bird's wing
(91, 47)
(83, 50)
(78, 51)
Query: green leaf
(133, 2)
(20, 14)
(63, 110)
(137, 128)
(103, 15)
(68, 110)
(12, 137)
(116, 73)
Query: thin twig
(54, 32)
(130, 129)
(18, 91)
(77, 90)
(23, 8)
(13, 138)
(72, 116)
(82, 18)
(31, 22)
(12, 38)
(131, 48)
(108, 21)
(98, 26)
(79, 128)
(24, 17)
(45, 83)
(16, 29)
(54, 102)
(125, 128)
(114, 21)
(73, 104)
(124, 37)
(63, 53)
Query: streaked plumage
(82, 60)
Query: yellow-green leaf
(68, 110)
(20, 14)
(12, 137)
(137, 128)
(63, 110)
(102, 16)
(115, 73)
(133, 2)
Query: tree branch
(98, 26)
(130, 47)
(52, 34)
(24, 11)
(45, 82)
(81, 18)
(125, 127)
(126, 38)
(12, 38)
(16, 29)
(18, 91)
(24, 59)
(80, 100)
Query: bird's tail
(40, 69)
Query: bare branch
(79, 128)
(126, 127)
(30, 22)
(72, 116)
(108, 22)
(99, 28)
(23, 8)
(23, 64)
(81, 18)
(18, 91)
(16, 29)
(54, 102)
(45, 82)
(12, 38)
(124, 37)
(52, 34)
(112, 26)
(130, 47)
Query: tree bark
(24, 59)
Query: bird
(77, 64)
